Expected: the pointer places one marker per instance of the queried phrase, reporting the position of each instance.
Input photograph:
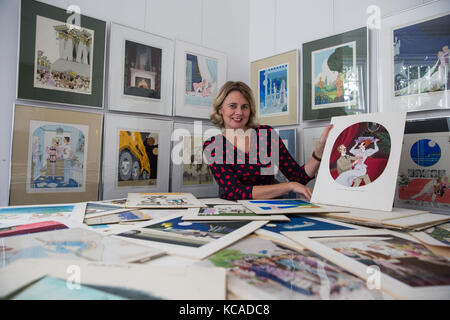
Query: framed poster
(189, 239)
(55, 156)
(136, 155)
(408, 270)
(190, 171)
(60, 62)
(414, 72)
(199, 74)
(311, 137)
(274, 82)
(424, 172)
(360, 161)
(335, 75)
(140, 71)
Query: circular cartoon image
(360, 154)
(425, 152)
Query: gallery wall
(278, 26)
(215, 24)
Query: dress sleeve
(231, 188)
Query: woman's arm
(312, 165)
(276, 190)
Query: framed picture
(60, 62)
(168, 200)
(286, 206)
(424, 172)
(199, 74)
(274, 82)
(311, 137)
(186, 238)
(407, 269)
(140, 71)
(55, 156)
(190, 171)
(414, 71)
(360, 161)
(335, 75)
(137, 155)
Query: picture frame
(161, 200)
(55, 156)
(199, 74)
(360, 161)
(404, 48)
(191, 174)
(424, 172)
(68, 70)
(287, 206)
(133, 146)
(140, 71)
(332, 67)
(274, 82)
(173, 235)
(336, 246)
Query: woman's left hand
(323, 139)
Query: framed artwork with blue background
(274, 81)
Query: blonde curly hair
(217, 119)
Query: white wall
(277, 26)
(222, 25)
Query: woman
(238, 157)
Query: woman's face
(235, 111)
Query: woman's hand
(322, 141)
(301, 189)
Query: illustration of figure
(359, 167)
(52, 151)
(67, 156)
(435, 187)
(339, 85)
(282, 92)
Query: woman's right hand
(301, 189)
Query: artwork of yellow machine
(134, 163)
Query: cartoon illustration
(273, 92)
(358, 172)
(201, 80)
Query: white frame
(134, 199)
(177, 170)
(114, 123)
(389, 284)
(378, 195)
(256, 209)
(407, 163)
(180, 106)
(192, 214)
(117, 99)
(410, 103)
(196, 253)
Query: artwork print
(273, 90)
(360, 154)
(406, 261)
(138, 158)
(423, 178)
(261, 269)
(421, 57)
(184, 233)
(201, 80)
(57, 157)
(142, 75)
(334, 79)
(63, 57)
(195, 170)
